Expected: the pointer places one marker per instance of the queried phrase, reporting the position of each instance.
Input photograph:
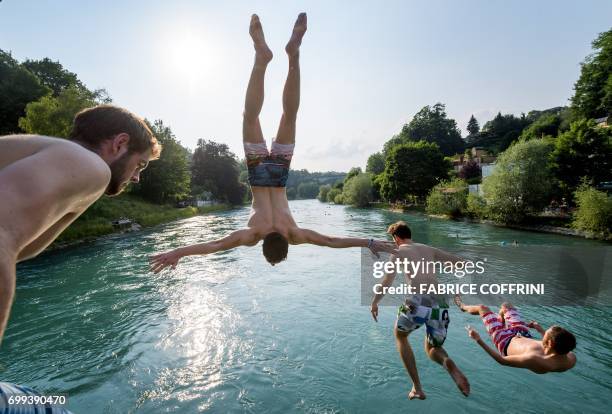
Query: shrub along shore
(553, 225)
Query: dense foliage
(593, 90)
(412, 169)
(521, 182)
(594, 212)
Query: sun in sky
(188, 54)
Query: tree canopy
(582, 153)
(215, 170)
(168, 178)
(376, 163)
(430, 124)
(53, 75)
(358, 190)
(54, 115)
(473, 127)
(521, 182)
(18, 87)
(593, 89)
(412, 169)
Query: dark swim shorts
(268, 169)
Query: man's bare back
(270, 213)
(63, 179)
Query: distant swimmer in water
(271, 219)
(515, 345)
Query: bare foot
(263, 53)
(459, 302)
(414, 393)
(293, 47)
(457, 376)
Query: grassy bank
(96, 221)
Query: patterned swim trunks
(502, 331)
(268, 169)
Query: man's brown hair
(400, 229)
(275, 248)
(94, 125)
(563, 341)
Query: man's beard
(116, 184)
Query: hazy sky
(367, 67)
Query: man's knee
(483, 310)
(400, 335)
(289, 116)
(250, 119)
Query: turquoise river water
(228, 333)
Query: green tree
(53, 75)
(472, 126)
(521, 182)
(352, 173)
(448, 198)
(547, 125)
(476, 205)
(332, 194)
(412, 169)
(594, 212)
(18, 87)
(307, 190)
(167, 179)
(291, 193)
(583, 152)
(323, 191)
(53, 116)
(498, 133)
(593, 90)
(358, 190)
(432, 125)
(214, 169)
(376, 163)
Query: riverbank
(535, 224)
(97, 220)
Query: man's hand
(377, 246)
(537, 327)
(472, 333)
(374, 311)
(534, 325)
(159, 262)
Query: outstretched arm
(244, 237)
(310, 236)
(517, 361)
